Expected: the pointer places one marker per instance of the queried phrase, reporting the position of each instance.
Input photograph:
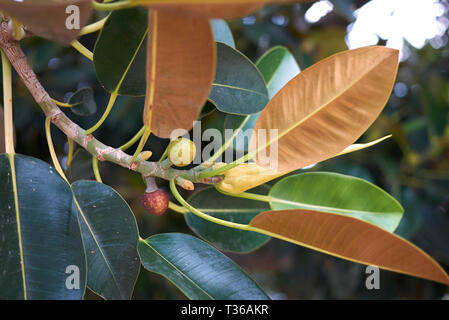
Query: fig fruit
(181, 152)
(155, 202)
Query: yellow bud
(17, 29)
(144, 156)
(181, 152)
(246, 176)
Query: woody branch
(102, 152)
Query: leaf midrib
(176, 268)
(323, 106)
(325, 208)
(96, 242)
(19, 229)
(272, 76)
(125, 73)
(239, 89)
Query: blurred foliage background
(413, 166)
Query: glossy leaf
(35, 16)
(277, 66)
(180, 70)
(327, 106)
(40, 242)
(227, 208)
(197, 269)
(337, 193)
(110, 237)
(238, 87)
(81, 166)
(83, 102)
(352, 239)
(120, 52)
(222, 32)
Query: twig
(99, 150)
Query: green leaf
(222, 32)
(245, 126)
(237, 210)
(83, 102)
(197, 269)
(337, 193)
(238, 87)
(120, 52)
(81, 166)
(277, 66)
(39, 234)
(110, 237)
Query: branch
(99, 150)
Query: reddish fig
(155, 202)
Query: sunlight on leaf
(327, 107)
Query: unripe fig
(155, 202)
(181, 152)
